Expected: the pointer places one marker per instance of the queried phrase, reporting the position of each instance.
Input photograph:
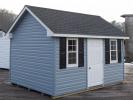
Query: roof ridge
(62, 11)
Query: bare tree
(6, 19)
(119, 25)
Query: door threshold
(95, 87)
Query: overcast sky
(108, 9)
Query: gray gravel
(122, 91)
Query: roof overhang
(89, 36)
(49, 31)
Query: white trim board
(16, 20)
(89, 36)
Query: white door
(95, 62)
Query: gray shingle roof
(63, 22)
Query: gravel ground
(122, 91)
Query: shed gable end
(32, 56)
(20, 17)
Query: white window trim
(72, 65)
(114, 61)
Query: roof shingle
(63, 22)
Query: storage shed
(58, 52)
(4, 50)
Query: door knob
(89, 67)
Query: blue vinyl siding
(70, 79)
(75, 79)
(32, 56)
(114, 72)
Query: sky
(108, 9)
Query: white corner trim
(89, 36)
(49, 32)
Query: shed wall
(32, 56)
(4, 52)
(75, 79)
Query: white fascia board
(88, 36)
(16, 20)
(49, 32)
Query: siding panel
(70, 79)
(32, 56)
(4, 52)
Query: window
(72, 52)
(113, 51)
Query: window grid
(72, 52)
(113, 51)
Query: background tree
(119, 25)
(6, 19)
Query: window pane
(74, 42)
(74, 48)
(69, 61)
(113, 42)
(70, 42)
(70, 48)
(72, 61)
(113, 55)
(72, 55)
(71, 45)
(113, 47)
(72, 58)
